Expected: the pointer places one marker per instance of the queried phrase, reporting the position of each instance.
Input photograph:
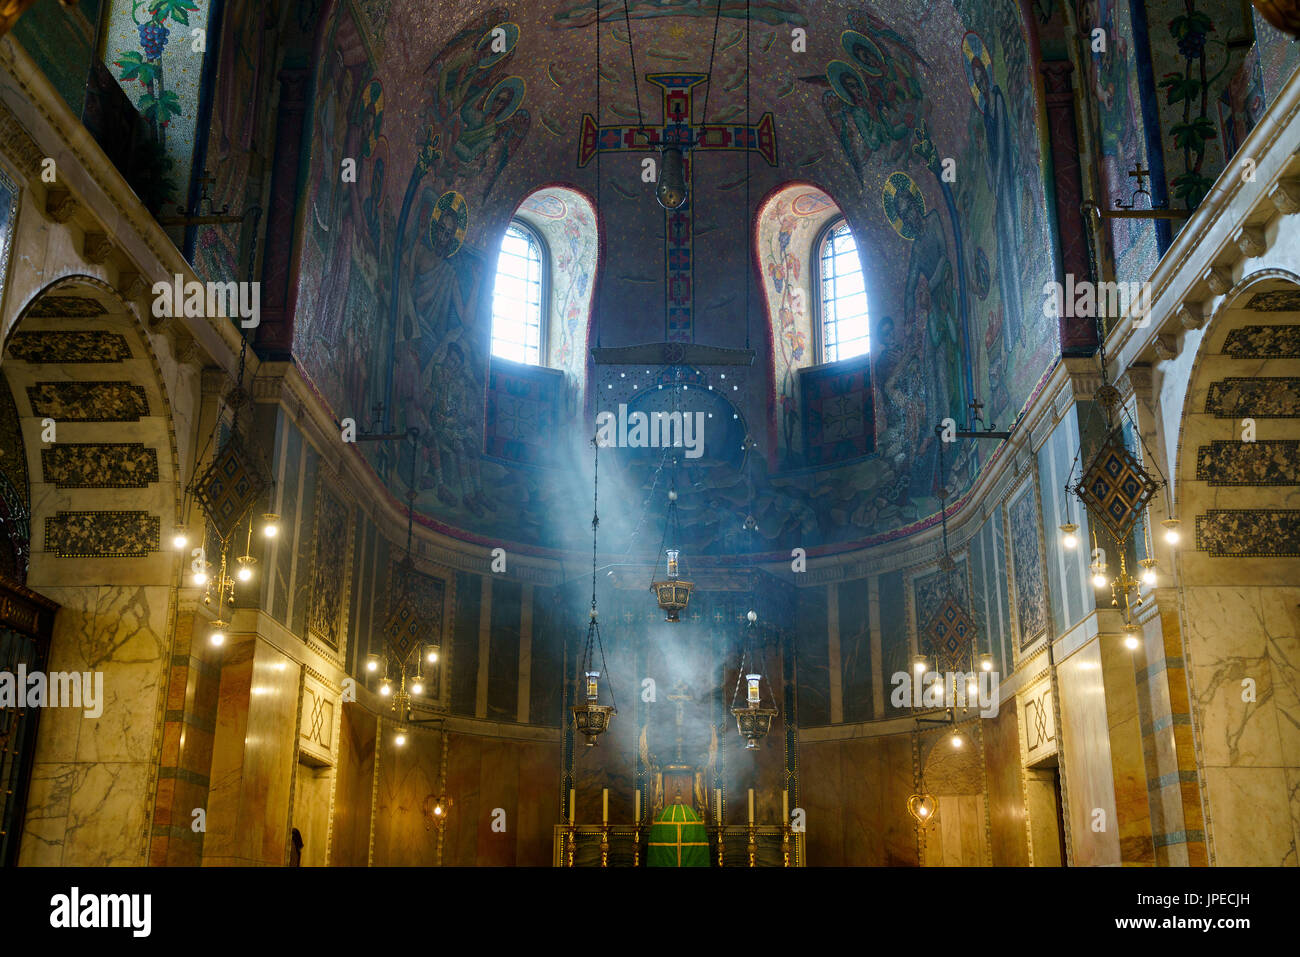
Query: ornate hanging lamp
(753, 720)
(226, 493)
(591, 718)
(1116, 491)
(672, 592)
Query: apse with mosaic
(647, 433)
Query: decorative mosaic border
(1228, 462)
(1245, 533)
(100, 465)
(53, 306)
(89, 401)
(1263, 342)
(103, 534)
(83, 346)
(1265, 397)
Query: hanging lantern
(671, 188)
(590, 717)
(753, 721)
(672, 593)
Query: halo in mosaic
(82, 346)
(230, 486)
(1116, 488)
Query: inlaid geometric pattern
(1116, 488)
(1249, 533)
(230, 486)
(415, 615)
(67, 307)
(1263, 342)
(949, 633)
(1259, 398)
(1027, 565)
(70, 347)
(325, 608)
(100, 465)
(88, 401)
(102, 534)
(522, 406)
(1264, 462)
(839, 421)
(1279, 300)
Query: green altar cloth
(678, 839)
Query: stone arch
(104, 498)
(1237, 488)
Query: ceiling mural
(920, 126)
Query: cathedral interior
(632, 433)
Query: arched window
(843, 297)
(517, 297)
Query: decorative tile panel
(1116, 488)
(1278, 300)
(1263, 342)
(67, 307)
(1027, 565)
(839, 422)
(69, 347)
(1249, 533)
(1263, 462)
(1261, 398)
(88, 401)
(102, 534)
(328, 568)
(100, 465)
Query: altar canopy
(678, 839)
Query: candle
(604, 805)
(718, 792)
(572, 802)
(637, 815)
(785, 806)
(751, 805)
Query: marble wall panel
(253, 757)
(498, 793)
(350, 842)
(812, 660)
(407, 775)
(503, 651)
(1086, 752)
(464, 643)
(855, 650)
(1006, 800)
(855, 795)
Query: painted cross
(677, 129)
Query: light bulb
(399, 740)
(385, 689)
(972, 687)
(200, 578)
(924, 812)
(417, 688)
(271, 528)
(1172, 535)
(180, 539)
(217, 638)
(1099, 580)
(957, 741)
(918, 665)
(1068, 537)
(752, 616)
(1131, 641)
(437, 811)
(431, 657)
(986, 662)
(372, 665)
(1149, 577)
(245, 574)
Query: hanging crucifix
(678, 131)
